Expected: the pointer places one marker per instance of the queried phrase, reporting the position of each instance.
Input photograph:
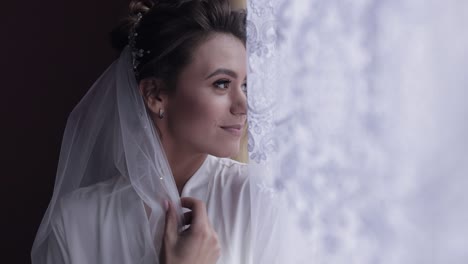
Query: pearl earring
(161, 113)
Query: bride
(144, 174)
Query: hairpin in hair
(137, 54)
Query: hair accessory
(137, 54)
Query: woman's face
(207, 112)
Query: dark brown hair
(172, 29)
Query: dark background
(51, 53)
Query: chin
(225, 150)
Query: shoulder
(90, 221)
(90, 205)
(93, 195)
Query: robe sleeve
(57, 250)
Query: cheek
(198, 114)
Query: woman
(158, 125)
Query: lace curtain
(358, 130)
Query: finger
(199, 216)
(170, 228)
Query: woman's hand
(198, 244)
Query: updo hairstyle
(172, 29)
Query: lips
(239, 127)
(235, 130)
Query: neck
(183, 163)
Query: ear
(154, 93)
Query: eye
(244, 88)
(222, 84)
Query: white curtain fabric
(358, 127)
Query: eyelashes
(224, 84)
(244, 88)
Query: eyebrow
(222, 71)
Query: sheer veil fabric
(109, 134)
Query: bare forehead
(220, 51)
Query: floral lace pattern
(326, 98)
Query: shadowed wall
(51, 53)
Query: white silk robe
(92, 226)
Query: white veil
(110, 134)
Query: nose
(239, 102)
